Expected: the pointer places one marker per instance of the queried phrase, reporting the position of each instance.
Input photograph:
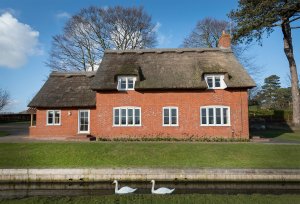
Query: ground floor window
(170, 116)
(53, 117)
(215, 116)
(127, 116)
(84, 121)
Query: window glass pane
(57, 117)
(166, 116)
(174, 116)
(116, 119)
(123, 83)
(137, 116)
(130, 116)
(174, 120)
(210, 82)
(217, 82)
(211, 116)
(166, 120)
(123, 116)
(174, 112)
(218, 115)
(225, 115)
(203, 115)
(83, 127)
(130, 83)
(50, 117)
(166, 112)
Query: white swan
(160, 190)
(123, 190)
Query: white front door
(84, 121)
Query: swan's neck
(116, 187)
(153, 183)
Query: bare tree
(87, 34)
(129, 28)
(207, 34)
(4, 98)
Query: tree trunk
(288, 50)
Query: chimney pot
(224, 41)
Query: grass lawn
(3, 133)
(279, 135)
(156, 199)
(151, 154)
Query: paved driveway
(17, 132)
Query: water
(21, 190)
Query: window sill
(216, 88)
(127, 126)
(83, 133)
(126, 90)
(53, 125)
(170, 125)
(215, 125)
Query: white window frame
(133, 115)
(89, 119)
(126, 78)
(213, 76)
(214, 114)
(53, 121)
(170, 117)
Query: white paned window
(126, 83)
(170, 116)
(215, 116)
(53, 117)
(127, 116)
(215, 81)
(83, 121)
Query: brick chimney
(224, 41)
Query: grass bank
(279, 135)
(153, 199)
(142, 154)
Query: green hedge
(271, 115)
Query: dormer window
(126, 83)
(215, 81)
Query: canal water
(23, 190)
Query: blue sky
(34, 22)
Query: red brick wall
(151, 104)
(188, 104)
(68, 127)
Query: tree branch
(294, 19)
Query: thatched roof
(66, 90)
(170, 68)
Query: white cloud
(10, 10)
(163, 40)
(157, 26)
(17, 41)
(63, 15)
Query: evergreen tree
(267, 97)
(254, 18)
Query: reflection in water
(19, 190)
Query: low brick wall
(139, 174)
